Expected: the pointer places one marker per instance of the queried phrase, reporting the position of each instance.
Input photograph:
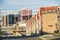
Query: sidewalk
(48, 37)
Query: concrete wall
(49, 22)
(4, 21)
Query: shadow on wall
(39, 34)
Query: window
(58, 9)
(58, 24)
(49, 25)
(59, 17)
(25, 17)
(30, 16)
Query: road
(44, 37)
(28, 38)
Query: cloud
(32, 4)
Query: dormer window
(46, 11)
(43, 12)
(54, 10)
(49, 11)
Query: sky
(15, 5)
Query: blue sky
(32, 4)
